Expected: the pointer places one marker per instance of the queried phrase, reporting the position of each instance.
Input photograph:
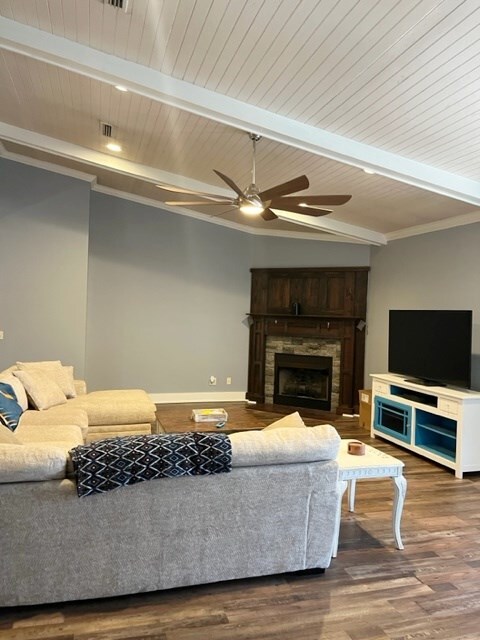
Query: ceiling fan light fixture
(252, 208)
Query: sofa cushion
(7, 437)
(30, 463)
(42, 390)
(289, 421)
(116, 407)
(54, 369)
(284, 446)
(17, 387)
(61, 414)
(10, 410)
(65, 436)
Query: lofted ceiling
(333, 86)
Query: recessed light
(370, 171)
(120, 87)
(111, 146)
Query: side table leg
(336, 535)
(400, 489)
(352, 485)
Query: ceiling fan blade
(191, 203)
(310, 200)
(268, 214)
(297, 184)
(230, 183)
(305, 211)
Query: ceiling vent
(123, 5)
(106, 129)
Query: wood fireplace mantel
(321, 303)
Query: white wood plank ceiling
(333, 86)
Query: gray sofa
(49, 394)
(274, 512)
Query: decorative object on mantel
(252, 201)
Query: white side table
(374, 464)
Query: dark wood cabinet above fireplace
(313, 309)
(317, 291)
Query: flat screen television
(433, 347)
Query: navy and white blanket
(116, 462)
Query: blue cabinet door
(393, 418)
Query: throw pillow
(54, 369)
(42, 390)
(7, 437)
(18, 389)
(292, 420)
(10, 410)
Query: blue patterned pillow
(10, 410)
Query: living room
(134, 295)
(118, 288)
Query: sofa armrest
(32, 463)
(80, 387)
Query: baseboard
(200, 396)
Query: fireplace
(327, 320)
(326, 354)
(303, 381)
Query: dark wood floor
(429, 591)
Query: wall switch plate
(229, 380)
(1, 335)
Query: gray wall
(283, 252)
(43, 265)
(439, 270)
(166, 298)
(168, 294)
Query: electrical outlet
(212, 380)
(1, 335)
(229, 380)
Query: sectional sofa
(49, 394)
(274, 512)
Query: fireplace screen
(303, 381)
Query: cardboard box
(209, 415)
(365, 407)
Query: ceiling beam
(102, 160)
(329, 225)
(145, 81)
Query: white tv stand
(439, 423)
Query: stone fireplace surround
(348, 354)
(304, 346)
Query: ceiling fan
(255, 202)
